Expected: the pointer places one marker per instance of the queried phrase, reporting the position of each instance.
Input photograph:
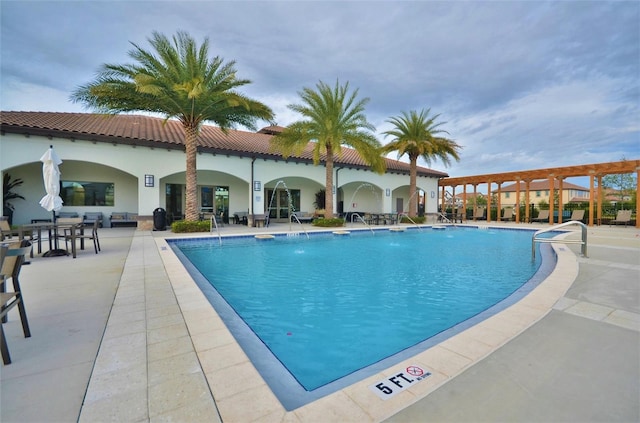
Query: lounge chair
(577, 215)
(622, 218)
(11, 260)
(508, 214)
(479, 214)
(543, 216)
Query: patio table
(54, 229)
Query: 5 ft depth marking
(393, 385)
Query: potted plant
(9, 194)
(319, 203)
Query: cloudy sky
(519, 84)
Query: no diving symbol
(415, 371)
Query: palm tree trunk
(413, 176)
(328, 194)
(191, 149)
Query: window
(506, 194)
(75, 193)
(538, 193)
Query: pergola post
(637, 202)
(592, 194)
(517, 200)
(498, 214)
(489, 201)
(527, 212)
(475, 201)
(560, 199)
(599, 199)
(552, 190)
(464, 201)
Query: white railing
(300, 223)
(401, 215)
(213, 223)
(582, 241)
(358, 217)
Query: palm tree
(333, 117)
(178, 80)
(415, 134)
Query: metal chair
(11, 260)
(82, 235)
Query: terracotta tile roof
(271, 130)
(542, 186)
(156, 132)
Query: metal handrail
(298, 220)
(213, 223)
(444, 217)
(357, 216)
(401, 215)
(583, 241)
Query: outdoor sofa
(123, 219)
(91, 217)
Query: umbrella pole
(56, 252)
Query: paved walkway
(122, 336)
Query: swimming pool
(326, 309)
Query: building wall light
(148, 180)
(257, 186)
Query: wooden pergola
(593, 171)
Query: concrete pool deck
(125, 335)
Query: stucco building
(135, 163)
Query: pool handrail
(298, 220)
(357, 216)
(583, 241)
(401, 215)
(213, 223)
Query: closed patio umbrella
(52, 200)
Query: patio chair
(479, 214)
(6, 231)
(61, 221)
(11, 261)
(577, 215)
(82, 234)
(622, 218)
(543, 216)
(507, 215)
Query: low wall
(145, 223)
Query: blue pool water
(331, 305)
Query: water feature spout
(290, 205)
(373, 191)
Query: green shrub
(183, 226)
(335, 222)
(416, 219)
